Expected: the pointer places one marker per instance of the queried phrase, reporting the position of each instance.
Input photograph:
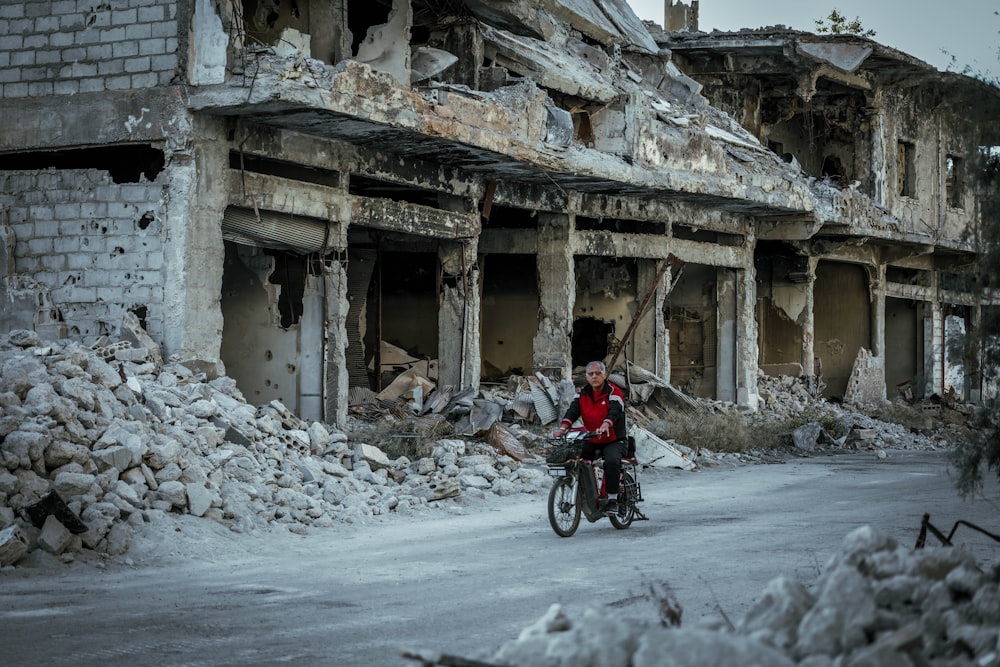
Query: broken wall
(920, 160)
(92, 245)
(605, 304)
(68, 49)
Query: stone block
(199, 499)
(118, 457)
(55, 537)
(13, 545)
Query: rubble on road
(102, 439)
(876, 602)
(121, 438)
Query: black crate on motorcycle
(562, 454)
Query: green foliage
(718, 432)
(910, 416)
(980, 452)
(838, 24)
(737, 433)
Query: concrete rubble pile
(784, 397)
(95, 441)
(876, 603)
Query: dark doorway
(590, 339)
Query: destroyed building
(313, 191)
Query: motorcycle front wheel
(564, 507)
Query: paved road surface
(465, 584)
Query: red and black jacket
(607, 404)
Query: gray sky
(967, 29)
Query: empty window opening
(283, 169)
(906, 165)
(141, 313)
(363, 186)
(506, 217)
(585, 224)
(583, 130)
(264, 20)
(833, 168)
(904, 276)
(953, 181)
(688, 233)
(125, 164)
(591, 338)
(289, 272)
(362, 15)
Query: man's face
(595, 377)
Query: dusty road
(357, 595)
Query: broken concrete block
(116, 457)
(120, 538)
(173, 492)
(375, 457)
(69, 484)
(807, 435)
(199, 499)
(55, 537)
(319, 437)
(444, 488)
(13, 545)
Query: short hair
(599, 364)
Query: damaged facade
(318, 193)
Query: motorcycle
(579, 486)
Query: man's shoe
(611, 507)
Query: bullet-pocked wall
(88, 226)
(271, 342)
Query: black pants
(613, 453)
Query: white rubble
(121, 438)
(876, 603)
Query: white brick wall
(78, 234)
(63, 47)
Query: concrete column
(934, 350)
(193, 252)
(459, 317)
(329, 36)
(336, 385)
(311, 352)
(808, 322)
(648, 348)
(465, 38)
(876, 277)
(728, 338)
(876, 290)
(557, 295)
(745, 333)
(974, 384)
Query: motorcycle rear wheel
(626, 503)
(564, 507)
